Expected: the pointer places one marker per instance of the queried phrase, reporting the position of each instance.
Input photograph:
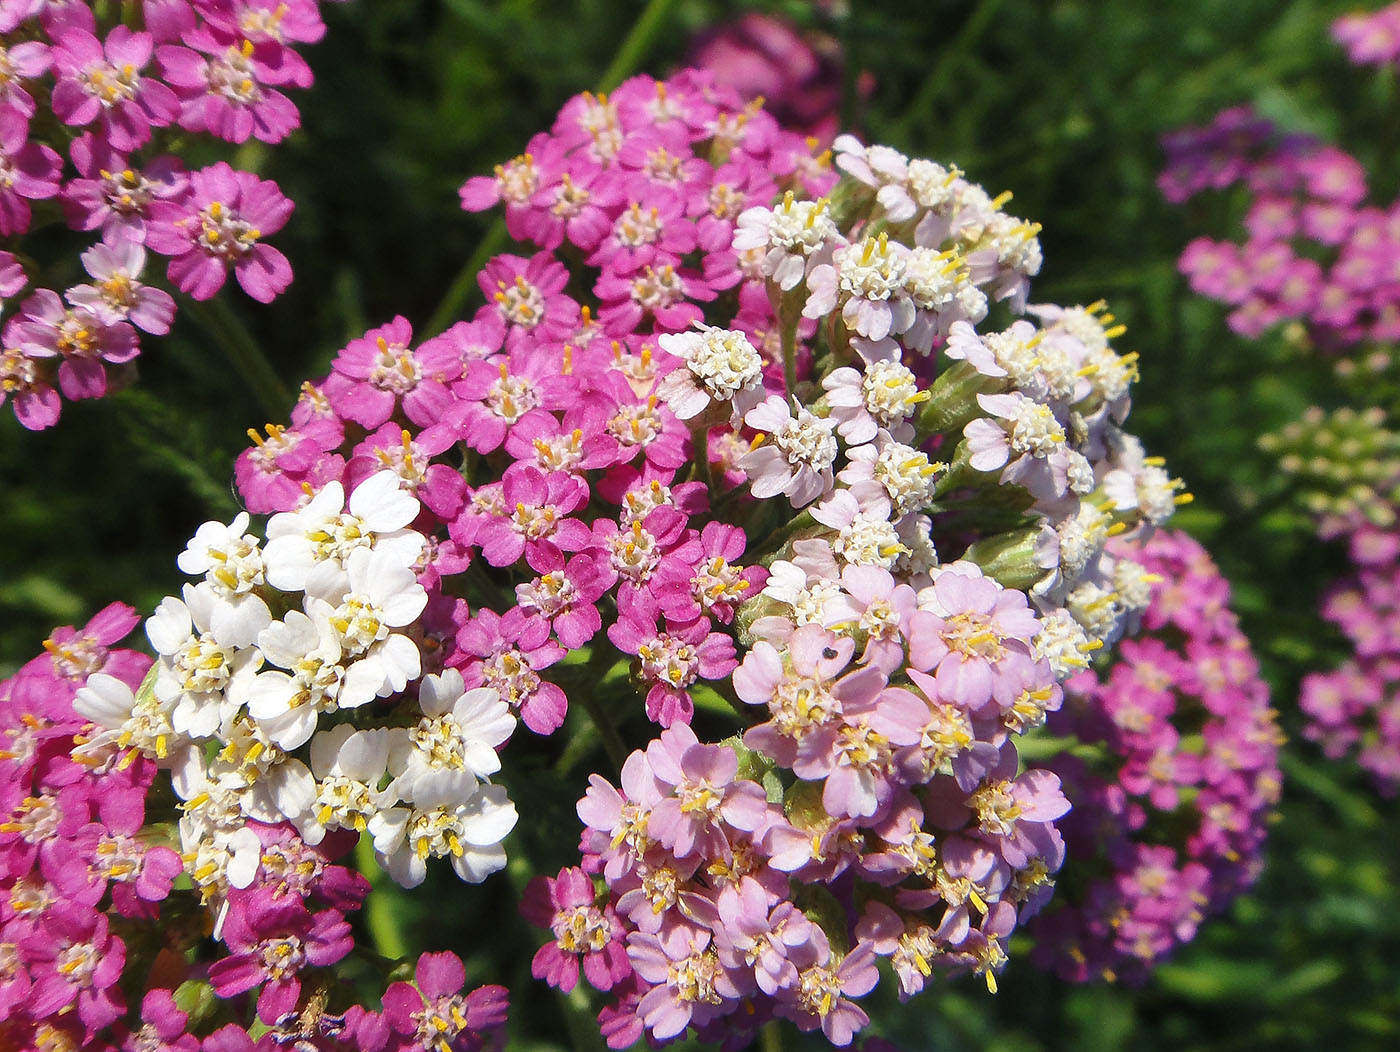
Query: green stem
(934, 85)
(637, 43)
(607, 728)
(462, 285)
(225, 328)
(629, 55)
(789, 325)
(380, 915)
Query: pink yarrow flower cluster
(1314, 252)
(1355, 709)
(74, 865)
(122, 85)
(660, 532)
(1170, 819)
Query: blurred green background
(1062, 102)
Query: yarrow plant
(758, 455)
(1320, 258)
(94, 101)
(1174, 807)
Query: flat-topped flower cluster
(1317, 253)
(93, 99)
(1175, 805)
(783, 475)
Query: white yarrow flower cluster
(894, 270)
(246, 710)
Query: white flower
(460, 731)
(232, 566)
(444, 825)
(348, 766)
(326, 531)
(376, 594)
(126, 721)
(288, 704)
(793, 236)
(862, 538)
(721, 365)
(204, 676)
(798, 461)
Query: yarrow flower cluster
(760, 461)
(1314, 252)
(1356, 708)
(92, 99)
(1170, 817)
(1342, 462)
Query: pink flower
(227, 90)
(29, 171)
(435, 1014)
(118, 295)
(102, 81)
(583, 933)
(221, 224)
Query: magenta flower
(112, 195)
(270, 941)
(673, 660)
(221, 224)
(77, 962)
(377, 372)
(102, 81)
(434, 1015)
(507, 654)
(584, 934)
(29, 171)
(225, 85)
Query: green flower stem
(939, 78)
(637, 44)
(462, 285)
(222, 324)
(607, 728)
(630, 54)
(381, 913)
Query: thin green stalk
(637, 44)
(380, 915)
(607, 729)
(789, 353)
(222, 324)
(462, 285)
(630, 53)
(936, 83)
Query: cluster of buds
(93, 96)
(1345, 466)
(1171, 809)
